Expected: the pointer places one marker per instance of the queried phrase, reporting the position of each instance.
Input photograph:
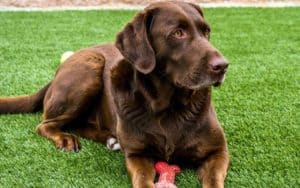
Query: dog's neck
(157, 91)
(161, 94)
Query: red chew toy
(166, 175)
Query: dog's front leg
(213, 170)
(141, 171)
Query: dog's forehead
(176, 11)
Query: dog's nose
(218, 65)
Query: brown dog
(151, 91)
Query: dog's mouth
(217, 84)
(209, 80)
(220, 81)
(199, 81)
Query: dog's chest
(169, 138)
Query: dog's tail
(24, 104)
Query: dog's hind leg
(71, 96)
(92, 132)
(62, 110)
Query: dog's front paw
(144, 184)
(113, 144)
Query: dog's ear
(133, 42)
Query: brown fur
(151, 90)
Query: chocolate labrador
(150, 92)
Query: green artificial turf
(258, 105)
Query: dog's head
(172, 38)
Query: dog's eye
(204, 29)
(179, 34)
(207, 33)
(207, 30)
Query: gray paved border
(138, 7)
